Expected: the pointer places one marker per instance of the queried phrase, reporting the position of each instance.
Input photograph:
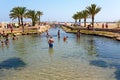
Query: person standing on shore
(50, 42)
(103, 26)
(106, 25)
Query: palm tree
(14, 13)
(79, 14)
(14, 16)
(84, 15)
(22, 15)
(75, 17)
(39, 13)
(18, 12)
(92, 11)
(33, 16)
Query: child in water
(65, 38)
(14, 37)
(2, 43)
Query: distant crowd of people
(4, 38)
(104, 25)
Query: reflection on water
(78, 40)
(51, 51)
(84, 58)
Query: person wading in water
(58, 33)
(50, 42)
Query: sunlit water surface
(84, 58)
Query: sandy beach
(99, 25)
(35, 29)
(112, 31)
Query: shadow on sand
(12, 63)
(100, 63)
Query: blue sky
(62, 10)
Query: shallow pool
(84, 58)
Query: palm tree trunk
(19, 21)
(92, 21)
(84, 22)
(39, 20)
(80, 22)
(75, 22)
(33, 23)
(22, 24)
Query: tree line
(89, 12)
(22, 12)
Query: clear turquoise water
(84, 58)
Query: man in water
(50, 42)
(58, 33)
